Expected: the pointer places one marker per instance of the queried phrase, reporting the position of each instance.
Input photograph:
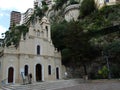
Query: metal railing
(3, 82)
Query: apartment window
(38, 49)
(49, 70)
(107, 0)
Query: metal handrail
(3, 82)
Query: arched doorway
(10, 75)
(38, 72)
(57, 73)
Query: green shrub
(103, 72)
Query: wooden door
(10, 75)
(57, 73)
(38, 72)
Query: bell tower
(45, 25)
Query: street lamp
(105, 55)
(108, 66)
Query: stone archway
(10, 75)
(38, 72)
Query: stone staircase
(50, 85)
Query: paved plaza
(74, 84)
(94, 86)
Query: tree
(59, 4)
(38, 12)
(73, 2)
(14, 35)
(87, 7)
(58, 33)
(44, 6)
(113, 51)
(74, 39)
(74, 43)
(78, 42)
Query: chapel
(34, 55)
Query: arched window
(26, 70)
(49, 70)
(57, 73)
(46, 31)
(38, 33)
(0, 65)
(0, 44)
(38, 50)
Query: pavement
(73, 84)
(94, 86)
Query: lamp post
(108, 66)
(105, 56)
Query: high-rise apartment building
(26, 16)
(37, 3)
(101, 3)
(15, 18)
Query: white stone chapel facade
(35, 54)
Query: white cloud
(1, 15)
(10, 5)
(20, 5)
(2, 30)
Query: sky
(6, 6)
